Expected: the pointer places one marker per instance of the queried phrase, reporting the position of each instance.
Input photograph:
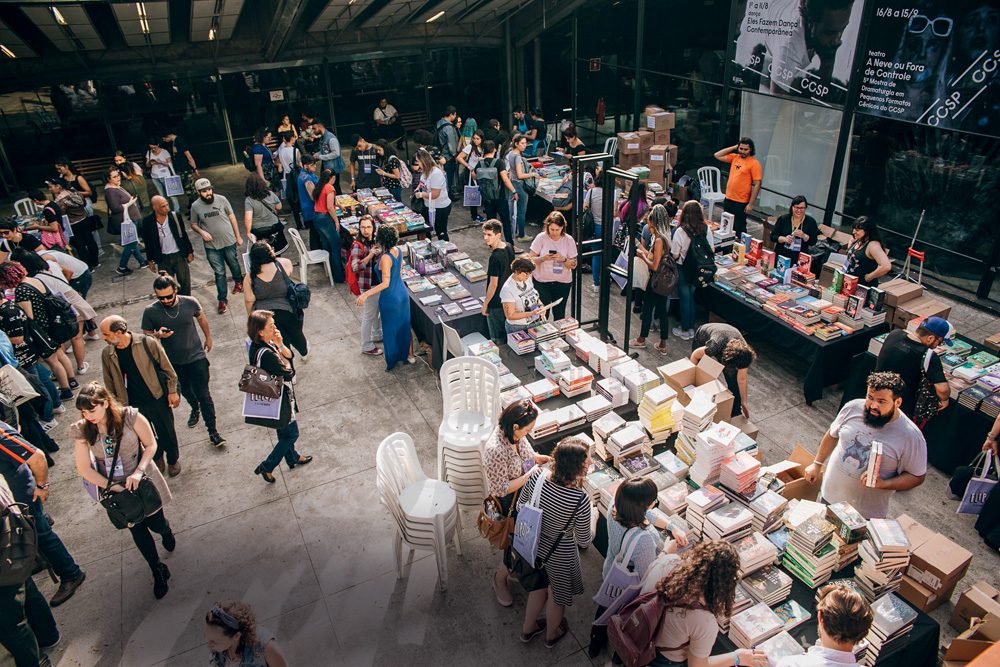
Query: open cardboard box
(832, 234)
(705, 377)
(978, 638)
(793, 473)
(978, 601)
(745, 425)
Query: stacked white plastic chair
(425, 510)
(710, 179)
(471, 390)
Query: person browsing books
(497, 273)
(521, 305)
(907, 354)
(860, 424)
(725, 344)
(843, 618)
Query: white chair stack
(471, 390)
(456, 345)
(425, 510)
(710, 179)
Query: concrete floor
(313, 552)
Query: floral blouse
(502, 464)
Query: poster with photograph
(802, 49)
(934, 64)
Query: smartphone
(165, 330)
(552, 252)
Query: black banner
(934, 64)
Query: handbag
(417, 204)
(530, 185)
(299, 294)
(497, 531)
(161, 375)
(127, 508)
(528, 527)
(472, 196)
(979, 487)
(14, 387)
(926, 404)
(172, 184)
(255, 380)
(535, 577)
(620, 577)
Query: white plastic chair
(710, 179)
(548, 143)
(25, 208)
(458, 346)
(611, 145)
(307, 257)
(425, 510)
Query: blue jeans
(285, 449)
(43, 377)
(52, 547)
(219, 259)
(685, 290)
(595, 261)
(520, 207)
(25, 622)
(511, 328)
(83, 283)
(330, 237)
(130, 250)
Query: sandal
(539, 629)
(636, 343)
(564, 628)
(496, 591)
(661, 349)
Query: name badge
(368, 168)
(119, 469)
(557, 267)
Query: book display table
(424, 319)
(828, 361)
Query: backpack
(248, 161)
(664, 279)
(405, 175)
(699, 264)
(487, 179)
(926, 403)
(632, 631)
(62, 317)
(18, 541)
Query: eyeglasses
(168, 297)
(918, 23)
(226, 619)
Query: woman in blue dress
(393, 300)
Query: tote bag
(528, 527)
(620, 578)
(472, 195)
(979, 487)
(14, 387)
(172, 184)
(128, 229)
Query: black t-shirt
(177, 156)
(135, 385)
(15, 451)
(366, 162)
(14, 323)
(52, 213)
(499, 266)
(28, 242)
(539, 126)
(579, 149)
(901, 354)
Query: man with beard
(212, 217)
(877, 417)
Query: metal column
(637, 102)
(604, 309)
(586, 249)
(538, 73)
(225, 118)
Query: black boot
(168, 539)
(161, 574)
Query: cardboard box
(939, 563)
(900, 291)
(793, 473)
(923, 598)
(651, 109)
(745, 425)
(657, 159)
(915, 532)
(706, 377)
(661, 137)
(645, 141)
(840, 237)
(629, 144)
(629, 160)
(975, 640)
(993, 342)
(924, 306)
(681, 193)
(768, 226)
(662, 120)
(977, 601)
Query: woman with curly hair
(566, 525)
(234, 638)
(700, 588)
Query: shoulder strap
(63, 280)
(623, 556)
(260, 355)
(281, 269)
(145, 347)
(114, 461)
(555, 545)
(927, 360)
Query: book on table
(754, 625)
(769, 585)
(792, 613)
(730, 523)
(741, 601)
(755, 552)
(780, 646)
(850, 525)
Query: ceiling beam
(538, 26)
(281, 27)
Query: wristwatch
(43, 487)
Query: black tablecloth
(954, 436)
(828, 360)
(425, 322)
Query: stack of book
(741, 601)
(513, 395)
(662, 478)
(626, 442)
(520, 342)
(685, 446)
(768, 585)
(730, 523)
(767, 509)
(604, 356)
(673, 499)
(875, 344)
(576, 381)
(700, 503)
(601, 475)
(754, 625)
(566, 325)
(556, 360)
(891, 626)
(607, 496)
(871, 317)
(655, 412)
(714, 445)
(799, 511)
(544, 331)
(570, 417)
(755, 552)
(595, 407)
(542, 390)
(669, 461)
(847, 553)
(614, 391)
(740, 472)
(546, 424)
(972, 397)
(809, 555)
(603, 428)
(619, 371)
(850, 525)
(793, 614)
(780, 646)
(508, 381)
(639, 465)
(640, 382)
(698, 414)
(885, 553)
(484, 348)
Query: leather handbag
(255, 380)
(127, 508)
(497, 532)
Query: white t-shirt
(681, 242)
(436, 181)
(78, 267)
(470, 157)
(384, 114)
(524, 296)
(819, 656)
(903, 450)
(285, 156)
(681, 626)
(157, 170)
(56, 282)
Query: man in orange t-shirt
(745, 176)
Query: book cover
(850, 283)
(766, 582)
(780, 646)
(888, 535)
(874, 463)
(757, 623)
(792, 613)
(891, 615)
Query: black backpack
(248, 161)
(62, 317)
(487, 177)
(699, 264)
(18, 541)
(664, 279)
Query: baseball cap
(202, 184)
(941, 328)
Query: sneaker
(688, 335)
(123, 272)
(677, 331)
(93, 335)
(66, 590)
(47, 647)
(161, 464)
(596, 288)
(73, 384)
(193, 419)
(144, 265)
(479, 218)
(216, 439)
(59, 409)
(48, 426)
(65, 394)
(160, 577)
(174, 469)
(373, 352)
(82, 370)
(305, 357)
(222, 307)
(411, 359)
(523, 238)
(237, 287)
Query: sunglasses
(168, 297)
(918, 23)
(109, 445)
